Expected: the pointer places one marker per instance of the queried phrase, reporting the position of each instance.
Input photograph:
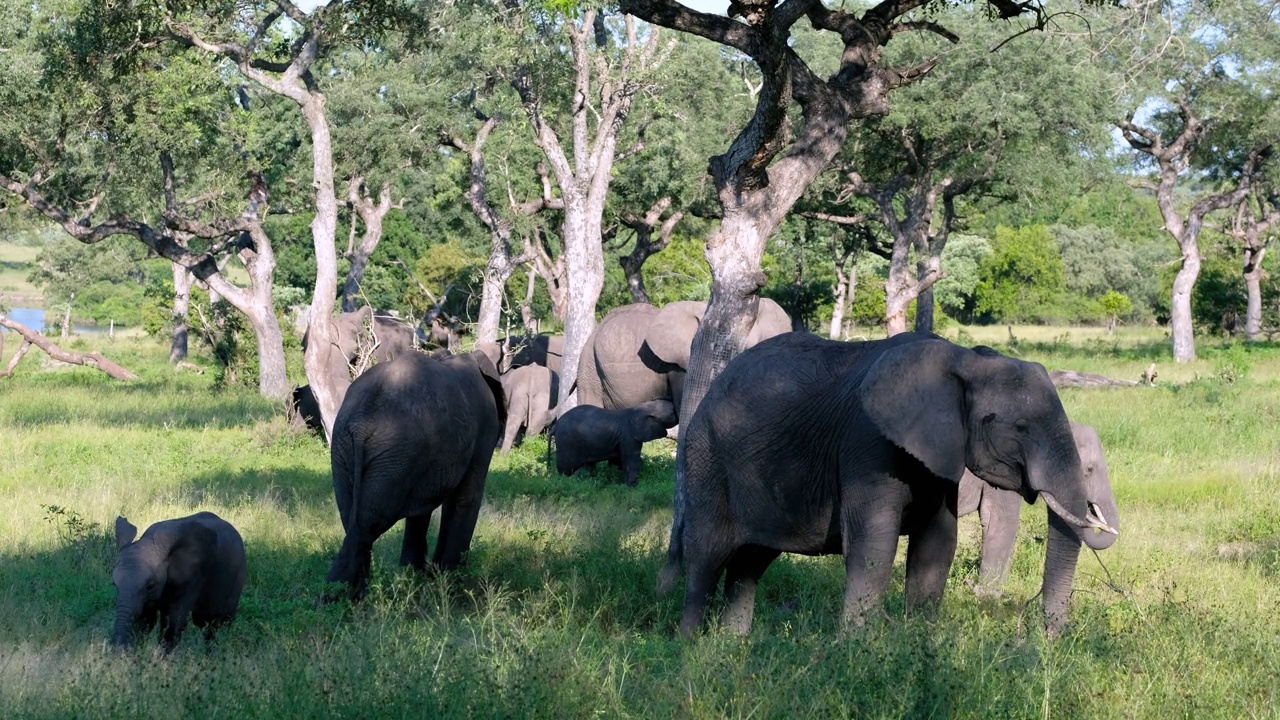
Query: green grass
(15, 265)
(555, 616)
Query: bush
(1022, 279)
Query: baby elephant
(187, 567)
(587, 434)
(530, 392)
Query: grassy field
(15, 265)
(555, 614)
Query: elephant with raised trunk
(813, 446)
(639, 352)
(998, 508)
(413, 435)
(190, 568)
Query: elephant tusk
(1095, 520)
(1095, 514)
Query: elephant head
(670, 334)
(651, 420)
(950, 408)
(145, 568)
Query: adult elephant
(364, 333)
(521, 350)
(639, 353)
(413, 435)
(998, 509)
(814, 446)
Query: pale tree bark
(503, 259)
(583, 179)
(646, 246)
(242, 234)
(178, 315)
(845, 258)
(66, 316)
(1172, 158)
(527, 319)
(295, 81)
(552, 271)
(767, 168)
(371, 216)
(1256, 218)
(31, 337)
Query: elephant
(815, 446)
(304, 411)
(413, 434)
(998, 509)
(544, 350)
(586, 435)
(191, 567)
(363, 331)
(639, 352)
(530, 392)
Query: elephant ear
(670, 333)
(125, 532)
(489, 372)
(916, 399)
(192, 553)
(771, 320)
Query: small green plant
(87, 539)
(1232, 365)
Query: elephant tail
(670, 572)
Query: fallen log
(1072, 378)
(31, 337)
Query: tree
(1021, 277)
(616, 61)
(1256, 219)
(1114, 304)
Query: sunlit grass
(555, 616)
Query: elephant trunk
(1062, 552)
(126, 620)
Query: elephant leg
(517, 413)
(740, 580)
(931, 548)
(355, 556)
(871, 519)
(999, 512)
(703, 567)
(173, 622)
(413, 552)
(458, 517)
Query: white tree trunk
(182, 282)
(66, 317)
(841, 289)
(493, 285)
(584, 265)
(1180, 322)
(1253, 289)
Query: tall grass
(554, 614)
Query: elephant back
(625, 381)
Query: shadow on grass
(295, 490)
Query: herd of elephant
(801, 445)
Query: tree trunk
(492, 290)
(635, 280)
(182, 281)
(1180, 322)
(1253, 287)
(897, 297)
(372, 216)
(584, 265)
(841, 290)
(93, 359)
(273, 380)
(66, 317)
(924, 299)
(526, 307)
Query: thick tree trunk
(1253, 288)
(584, 264)
(273, 381)
(635, 280)
(93, 359)
(182, 282)
(492, 290)
(1180, 321)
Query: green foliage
(962, 257)
(1022, 277)
(1114, 304)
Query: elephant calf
(587, 435)
(998, 508)
(531, 392)
(188, 567)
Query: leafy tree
(1022, 276)
(962, 257)
(1114, 304)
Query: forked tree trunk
(182, 282)
(371, 216)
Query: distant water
(34, 319)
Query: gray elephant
(364, 332)
(186, 568)
(531, 392)
(544, 350)
(998, 508)
(586, 435)
(413, 434)
(814, 446)
(638, 352)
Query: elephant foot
(985, 592)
